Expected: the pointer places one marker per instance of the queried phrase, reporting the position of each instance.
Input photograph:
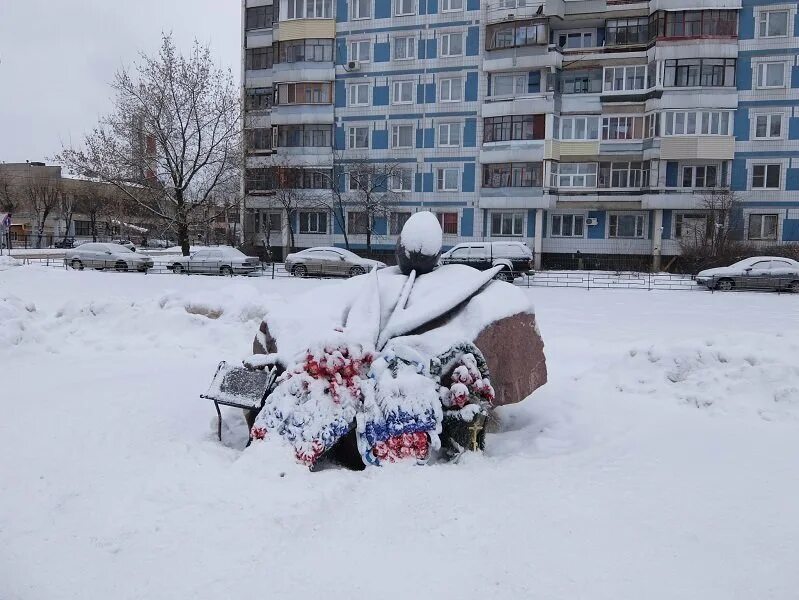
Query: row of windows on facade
(603, 174)
(524, 127)
(685, 225)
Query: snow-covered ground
(661, 461)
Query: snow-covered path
(660, 461)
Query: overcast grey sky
(58, 56)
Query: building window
(579, 128)
(507, 224)
(567, 225)
(83, 228)
(313, 222)
(451, 5)
(626, 32)
(515, 34)
(625, 79)
(700, 176)
(574, 175)
(259, 139)
(259, 99)
(361, 9)
(297, 136)
(402, 92)
(398, 220)
(358, 138)
(401, 180)
(358, 94)
(766, 177)
(771, 75)
(305, 93)
(449, 135)
(448, 222)
(256, 59)
(698, 123)
(307, 50)
(359, 180)
(576, 39)
(699, 72)
(768, 126)
(763, 227)
(622, 128)
(404, 8)
(402, 136)
(691, 225)
(447, 179)
(502, 175)
(309, 9)
(514, 127)
(508, 84)
(693, 24)
(361, 50)
(404, 48)
(652, 125)
(626, 226)
(451, 89)
(357, 223)
(451, 44)
(773, 23)
(581, 81)
(270, 222)
(259, 17)
(624, 174)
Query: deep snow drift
(660, 461)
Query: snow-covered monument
(404, 363)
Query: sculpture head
(419, 244)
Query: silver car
(223, 260)
(330, 262)
(759, 272)
(107, 256)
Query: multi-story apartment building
(594, 126)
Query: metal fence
(588, 280)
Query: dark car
(514, 256)
(67, 243)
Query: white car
(107, 256)
(329, 261)
(223, 260)
(758, 272)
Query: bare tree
(94, 204)
(711, 237)
(66, 210)
(369, 194)
(41, 197)
(173, 139)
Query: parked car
(514, 256)
(107, 256)
(223, 260)
(127, 243)
(759, 272)
(67, 243)
(329, 261)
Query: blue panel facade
(738, 178)
(340, 141)
(342, 11)
(793, 128)
(382, 9)
(531, 223)
(381, 226)
(472, 4)
(597, 232)
(672, 173)
(467, 222)
(743, 73)
(382, 52)
(667, 216)
(470, 133)
(340, 94)
(432, 49)
(468, 177)
(792, 179)
(473, 41)
(790, 230)
(341, 51)
(380, 95)
(380, 139)
(427, 182)
(470, 92)
(429, 138)
(741, 125)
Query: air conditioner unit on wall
(353, 65)
(591, 221)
